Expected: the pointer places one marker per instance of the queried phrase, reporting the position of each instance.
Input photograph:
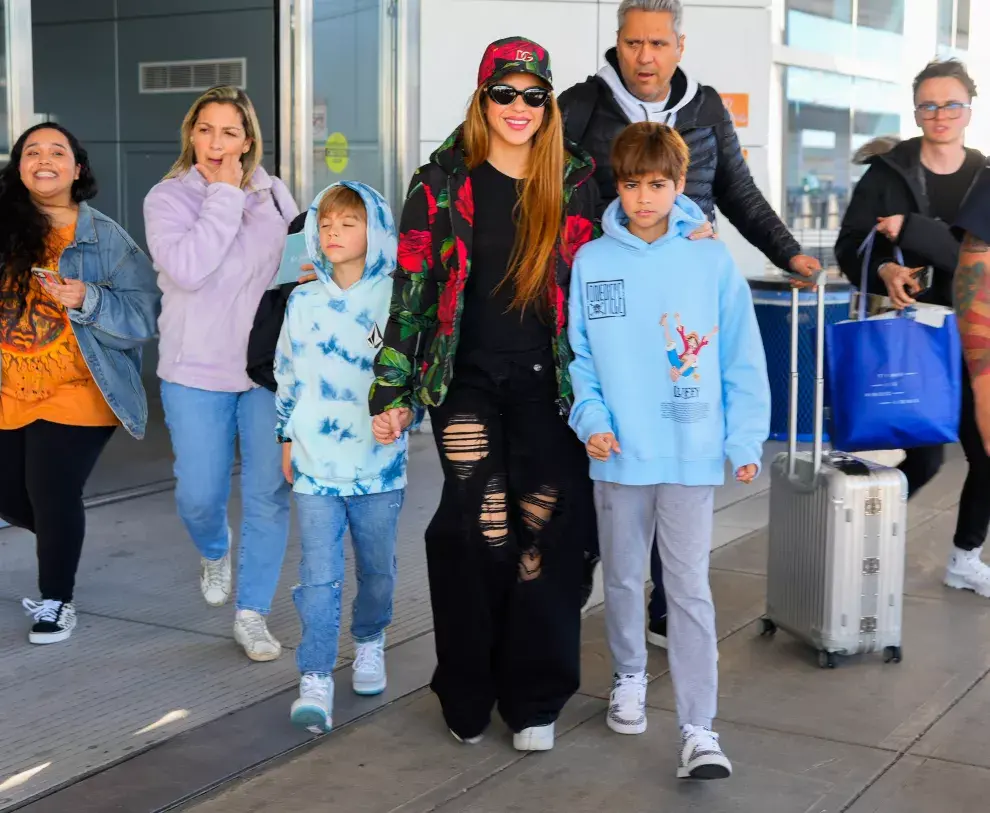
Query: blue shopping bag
(893, 383)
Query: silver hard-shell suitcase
(835, 571)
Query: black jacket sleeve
(738, 197)
(866, 205)
(931, 239)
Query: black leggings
(43, 472)
(505, 552)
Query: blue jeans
(204, 426)
(373, 520)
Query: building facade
(366, 89)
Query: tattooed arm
(971, 290)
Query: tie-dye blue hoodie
(324, 367)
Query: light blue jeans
(204, 426)
(373, 520)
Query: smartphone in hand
(46, 276)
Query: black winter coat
(895, 185)
(717, 175)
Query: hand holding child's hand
(601, 446)
(746, 474)
(287, 462)
(389, 425)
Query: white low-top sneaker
(313, 710)
(627, 704)
(368, 670)
(536, 738)
(215, 580)
(251, 632)
(701, 755)
(967, 571)
(466, 740)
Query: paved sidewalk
(865, 738)
(150, 661)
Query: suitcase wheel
(892, 654)
(767, 628)
(827, 660)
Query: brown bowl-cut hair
(649, 148)
(341, 199)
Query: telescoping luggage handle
(792, 417)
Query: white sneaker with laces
(701, 755)
(251, 632)
(215, 580)
(627, 704)
(313, 710)
(53, 620)
(967, 571)
(368, 670)
(535, 738)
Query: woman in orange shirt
(77, 299)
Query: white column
(978, 62)
(920, 46)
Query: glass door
(342, 102)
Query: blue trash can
(772, 300)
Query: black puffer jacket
(895, 185)
(717, 175)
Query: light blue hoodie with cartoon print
(324, 367)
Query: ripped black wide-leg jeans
(505, 550)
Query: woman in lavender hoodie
(216, 228)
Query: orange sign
(738, 106)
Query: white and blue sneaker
(314, 708)
(627, 704)
(368, 670)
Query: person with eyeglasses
(478, 333)
(912, 194)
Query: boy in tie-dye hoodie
(341, 477)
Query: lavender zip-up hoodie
(216, 249)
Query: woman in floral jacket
(477, 333)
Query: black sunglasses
(506, 95)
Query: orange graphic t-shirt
(43, 375)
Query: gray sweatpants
(682, 519)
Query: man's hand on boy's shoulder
(704, 232)
(389, 425)
(746, 474)
(601, 446)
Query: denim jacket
(119, 314)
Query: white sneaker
(627, 704)
(53, 620)
(466, 740)
(536, 738)
(368, 670)
(215, 580)
(966, 571)
(314, 708)
(701, 755)
(251, 632)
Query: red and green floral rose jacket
(416, 363)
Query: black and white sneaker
(53, 620)
(701, 755)
(656, 633)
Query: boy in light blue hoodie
(669, 380)
(341, 477)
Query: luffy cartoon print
(684, 363)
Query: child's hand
(287, 462)
(601, 446)
(746, 474)
(389, 426)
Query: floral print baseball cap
(514, 55)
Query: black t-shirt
(946, 192)
(974, 217)
(491, 329)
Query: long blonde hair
(224, 94)
(532, 262)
